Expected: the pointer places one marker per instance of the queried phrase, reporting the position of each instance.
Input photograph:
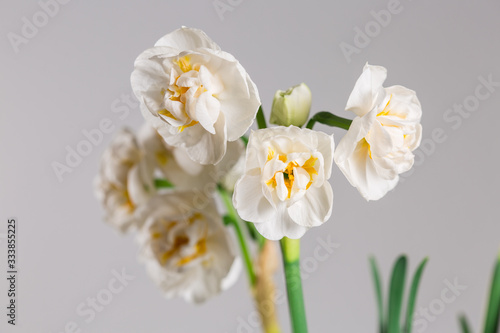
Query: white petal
(281, 226)
(187, 39)
(301, 178)
(362, 173)
(281, 189)
(415, 138)
(207, 111)
(210, 82)
(249, 201)
(314, 208)
(231, 167)
(201, 146)
(189, 79)
(326, 146)
(368, 91)
(380, 140)
(233, 275)
(186, 163)
(240, 98)
(405, 102)
(360, 127)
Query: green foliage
(491, 322)
(392, 323)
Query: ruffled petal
(282, 226)
(314, 208)
(368, 91)
(249, 200)
(184, 39)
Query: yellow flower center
(161, 234)
(178, 94)
(288, 173)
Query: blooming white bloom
(285, 188)
(379, 143)
(291, 107)
(123, 182)
(197, 96)
(174, 164)
(186, 249)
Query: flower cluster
(198, 103)
(155, 189)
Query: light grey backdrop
(72, 73)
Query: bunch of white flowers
(192, 153)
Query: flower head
(291, 107)
(123, 182)
(285, 188)
(379, 143)
(186, 249)
(197, 96)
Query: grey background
(65, 79)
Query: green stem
(290, 249)
(261, 119)
(236, 223)
(327, 118)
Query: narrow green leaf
(493, 312)
(412, 298)
(163, 183)
(396, 292)
(464, 325)
(378, 294)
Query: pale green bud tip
(291, 107)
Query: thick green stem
(236, 223)
(327, 118)
(261, 119)
(290, 249)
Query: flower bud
(291, 107)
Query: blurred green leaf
(396, 293)
(378, 292)
(493, 312)
(412, 298)
(464, 325)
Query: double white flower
(285, 189)
(123, 182)
(197, 96)
(379, 143)
(186, 249)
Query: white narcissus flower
(197, 96)
(379, 143)
(186, 249)
(285, 189)
(173, 164)
(123, 182)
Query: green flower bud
(291, 107)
